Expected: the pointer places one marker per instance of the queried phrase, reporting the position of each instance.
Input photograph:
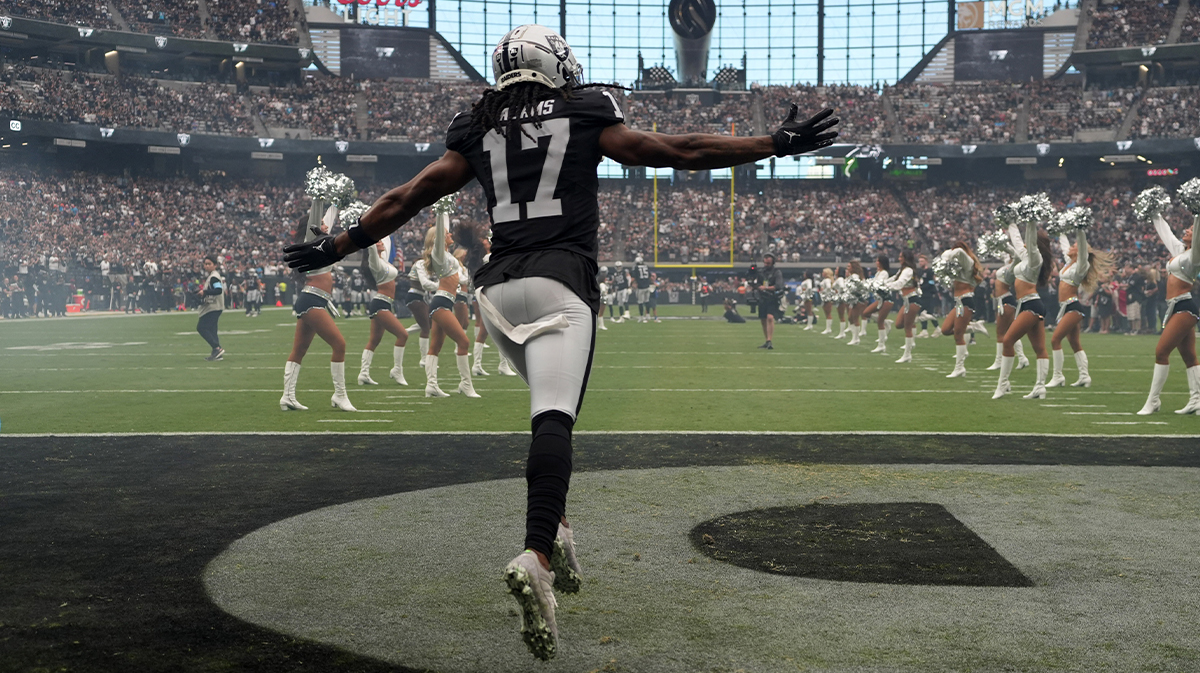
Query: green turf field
(147, 374)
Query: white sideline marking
(386, 411)
(349, 420)
(525, 433)
(1131, 423)
(1097, 413)
(1073, 406)
(590, 390)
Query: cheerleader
(1032, 270)
(807, 292)
(462, 298)
(315, 311)
(379, 310)
(854, 280)
(839, 291)
(444, 323)
(827, 300)
(882, 306)
(1002, 293)
(420, 285)
(1179, 323)
(965, 274)
(1082, 269)
(907, 283)
(477, 246)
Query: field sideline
(146, 374)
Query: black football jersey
(641, 273)
(541, 190)
(622, 280)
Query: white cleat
(397, 375)
(923, 334)
(1002, 389)
(564, 564)
(364, 379)
(1152, 405)
(1083, 382)
(958, 372)
(467, 389)
(935, 334)
(290, 404)
(421, 362)
(1056, 381)
(531, 585)
(1038, 393)
(341, 402)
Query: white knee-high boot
(1153, 403)
(291, 374)
(465, 386)
(960, 358)
(909, 344)
(841, 328)
(1193, 405)
(431, 379)
(1022, 361)
(999, 354)
(477, 365)
(364, 370)
(1057, 379)
(1003, 387)
(1039, 388)
(828, 326)
(339, 400)
(397, 373)
(423, 343)
(1085, 379)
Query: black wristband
(359, 237)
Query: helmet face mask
(533, 53)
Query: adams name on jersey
(541, 190)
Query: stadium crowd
(176, 17)
(1130, 23)
(930, 114)
(267, 21)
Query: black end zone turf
(103, 540)
(892, 543)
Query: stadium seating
(1131, 23)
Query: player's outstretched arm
(445, 176)
(702, 151)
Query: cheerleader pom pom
(945, 271)
(350, 214)
(1005, 215)
(322, 183)
(1034, 208)
(444, 205)
(993, 244)
(1152, 201)
(1189, 193)
(1074, 220)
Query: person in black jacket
(212, 303)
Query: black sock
(548, 476)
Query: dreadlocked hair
(486, 112)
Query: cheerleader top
(1075, 272)
(904, 280)
(464, 279)
(382, 271)
(826, 284)
(420, 278)
(881, 277)
(966, 265)
(1184, 263)
(1029, 258)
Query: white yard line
(1097, 413)
(352, 420)
(525, 433)
(1073, 406)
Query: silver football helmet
(533, 53)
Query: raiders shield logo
(1196, 142)
(969, 149)
(866, 151)
(1043, 149)
(303, 52)
(265, 142)
(1123, 145)
(1149, 51)
(239, 48)
(384, 52)
(160, 41)
(341, 146)
(421, 147)
(86, 32)
(5, 22)
(106, 133)
(184, 139)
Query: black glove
(795, 137)
(315, 254)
